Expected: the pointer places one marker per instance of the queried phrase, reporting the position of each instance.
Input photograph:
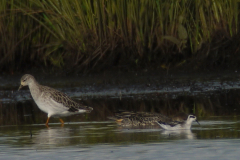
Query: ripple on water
(108, 141)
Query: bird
(178, 123)
(126, 118)
(52, 101)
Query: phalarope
(184, 123)
(51, 101)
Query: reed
(87, 34)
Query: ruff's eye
(24, 80)
(192, 116)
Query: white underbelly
(51, 107)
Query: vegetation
(92, 34)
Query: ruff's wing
(62, 98)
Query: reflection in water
(80, 134)
(179, 134)
(217, 104)
(22, 126)
(85, 133)
(72, 134)
(106, 138)
(49, 137)
(22, 129)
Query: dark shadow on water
(214, 104)
(83, 134)
(22, 123)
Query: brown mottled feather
(138, 118)
(64, 99)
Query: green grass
(96, 34)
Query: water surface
(216, 138)
(215, 102)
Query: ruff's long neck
(34, 88)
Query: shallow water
(215, 101)
(215, 138)
(23, 134)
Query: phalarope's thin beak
(20, 87)
(197, 122)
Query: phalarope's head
(192, 118)
(26, 80)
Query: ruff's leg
(61, 120)
(47, 121)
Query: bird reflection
(179, 134)
(52, 137)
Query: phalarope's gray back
(51, 101)
(178, 123)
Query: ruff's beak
(20, 87)
(197, 122)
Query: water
(216, 103)
(215, 138)
(23, 134)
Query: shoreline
(125, 84)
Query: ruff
(52, 101)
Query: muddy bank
(205, 94)
(125, 84)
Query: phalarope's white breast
(51, 101)
(178, 124)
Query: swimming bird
(178, 123)
(52, 101)
(125, 118)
